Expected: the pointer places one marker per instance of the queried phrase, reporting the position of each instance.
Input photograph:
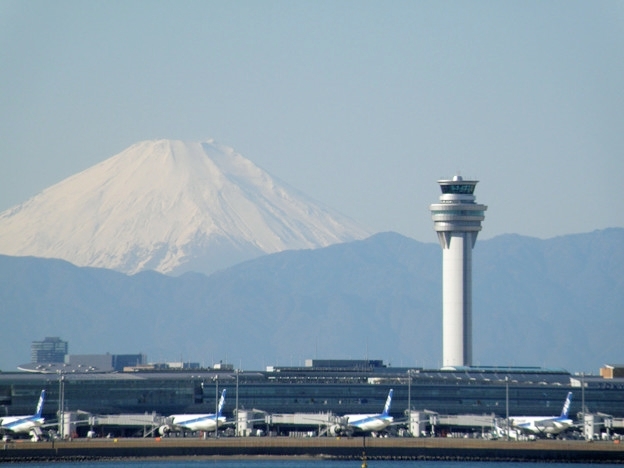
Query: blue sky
(362, 105)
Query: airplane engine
(338, 430)
(164, 430)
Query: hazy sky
(362, 105)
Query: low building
(50, 350)
(86, 363)
(612, 371)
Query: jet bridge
(320, 422)
(147, 424)
(485, 423)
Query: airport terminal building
(322, 386)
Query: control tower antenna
(457, 220)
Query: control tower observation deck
(457, 220)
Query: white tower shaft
(457, 220)
(457, 300)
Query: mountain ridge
(549, 303)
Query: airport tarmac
(315, 447)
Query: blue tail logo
(40, 404)
(221, 404)
(386, 410)
(566, 406)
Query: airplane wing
(552, 425)
(555, 424)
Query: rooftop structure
(51, 349)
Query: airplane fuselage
(29, 424)
(196, 422)
(363, 423)
(368, 422)
(20, 424)
(545, 425)
(539, 425)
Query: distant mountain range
(553, 303)
(325, 290)
(170, 206)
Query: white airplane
(195, 422)
(29, 424)
(363, 423)
(545, 425)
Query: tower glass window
(458, 189)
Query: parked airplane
(29, 424)
(195, 422)
(351, 424)
(545, 425)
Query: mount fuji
(170, 206)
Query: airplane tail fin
(40, 404)
(386, 410)
(221, 403)
(566, 405)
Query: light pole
(237, 373)
(61, 403)
(583, 404)
(507, 405)
(409, 400)
(216, 407)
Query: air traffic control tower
(457, 220)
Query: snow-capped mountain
(170, 206)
